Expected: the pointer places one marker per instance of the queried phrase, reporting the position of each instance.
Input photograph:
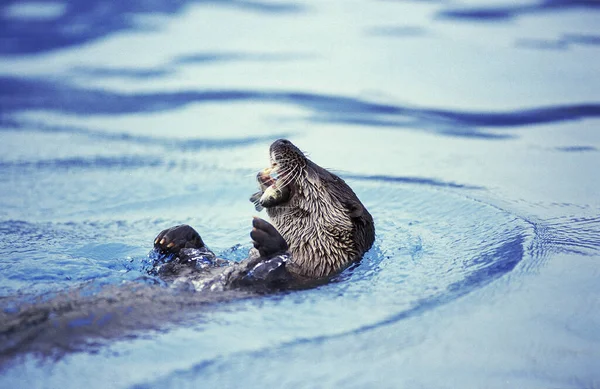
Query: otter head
(324, 223)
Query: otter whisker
(283, 169)
(289, 176)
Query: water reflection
(206, 58)
(84, 200)
(166, 142)
(62, 25)
(19, 94)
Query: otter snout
(284, 146)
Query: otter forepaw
(176, 238)
(266, 239)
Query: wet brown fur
(324, 223)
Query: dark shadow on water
(502, 13)
(77, 22)
(19, 94)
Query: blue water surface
(469, 129)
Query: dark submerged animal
(319, 227)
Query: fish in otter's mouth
(324, 223)
(273, 190)
(276, 181)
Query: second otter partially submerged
(319, 226)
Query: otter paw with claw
(176, 238)
(266, 239)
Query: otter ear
(355, 210)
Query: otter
(318, 228)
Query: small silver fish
(271, 196)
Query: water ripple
(502, 260)
(84, 21)
(432, 254)
(411, 180)
(204, 58)
(579, 235)
(18, 94)
(398, 31)
(98, 162)
(576, 149)
(510, 12)
(185, 144)
(565, 42)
